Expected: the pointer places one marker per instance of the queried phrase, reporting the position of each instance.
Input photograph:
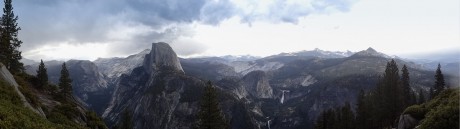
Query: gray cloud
(95, 21)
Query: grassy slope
(14, 115)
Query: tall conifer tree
(389, 96)
(421, 97)
(362, 114)
(210, 115)
(439, 84)
(9, 42)
(431, 93)
(347, 118)
(407, 93)
(65, 83)
(42, 75)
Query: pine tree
(9, 42)
(421, 97)
(392, 92)
(327, 120)
(362, 115)
(338, 118)
(439, 84)
(42, 75)
(347, 118)
(388, 96)
(210, 115)
(65, 83)
(431, 93)
(407, 93)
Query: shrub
(416, 111)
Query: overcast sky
(88, 29)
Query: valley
(289, 90)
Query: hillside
(22, 105)
(442, 112)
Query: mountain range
(283, 91)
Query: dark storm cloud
(48, 22)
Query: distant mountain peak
(370, 49)
(370, 52)
(317, 49)
(315, 53)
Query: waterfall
(282, 96)
(268, 124)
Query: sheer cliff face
(161, 56)
(160, 96)
(153, 92)
(113, 68)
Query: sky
(89, 29)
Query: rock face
(86, 75)
(115, 67)
(89, 84)
(257, 85)
(406, 121)
(207, 70)
(160, 96)
(161, 56)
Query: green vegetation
(65, 83)
(340, 118)
(24, 87)
(381, 107)
(439, 84)
(442, 112)
(421, 97)
(126, 121)
(94, 121)
(210, 115)
(14, 115)
(409, 97)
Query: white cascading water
(282, 96)
(268, 124)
